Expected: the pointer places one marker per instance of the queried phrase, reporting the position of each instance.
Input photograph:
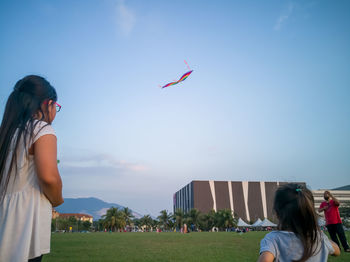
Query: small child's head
(294, 207)
(32, 96)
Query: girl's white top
(25, 213)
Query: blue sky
(268, 98)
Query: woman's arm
(266, 257)
(45, 158)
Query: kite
(182, 78)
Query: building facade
(248, 200)
(77, 216)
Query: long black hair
(294, 206)
(23, 106)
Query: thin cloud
(94, 162)
(125, 18)
(284, 17)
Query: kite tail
(187, 65)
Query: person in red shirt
(333, 221)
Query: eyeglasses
(58, 107)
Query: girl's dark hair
(294, 206)
(23, 105)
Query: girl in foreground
(30, 183)
(299, 237)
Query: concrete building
(248, 200)
(78, 216)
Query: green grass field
(204, 246)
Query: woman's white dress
(25, 213)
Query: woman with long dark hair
(30, 183)
(299, 237)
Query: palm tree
(146, 221)
(224, 219)
(193, 217)
(179, 217)
(113, 219)
(154, 223)
(207, 221)
(98, 225)
(127, 215)
(164, 219)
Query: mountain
(90, 205)
(342, 188)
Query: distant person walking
(30, 183)
(333, 220)
(299, 237)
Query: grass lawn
(204, 246)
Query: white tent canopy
(241, 223)
(257, 223)
(267, 223)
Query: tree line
(65, 224)
(118, 219)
